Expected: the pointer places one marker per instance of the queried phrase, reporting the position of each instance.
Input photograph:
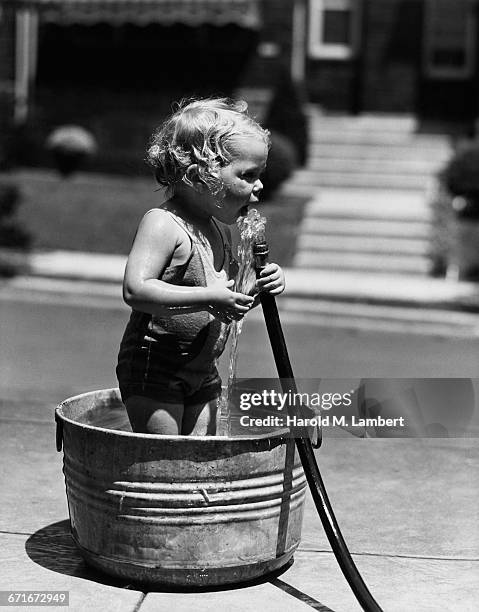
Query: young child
(178, 279)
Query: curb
(66, 265)
(308, 284)
(460, 303)
(383, 289)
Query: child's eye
(250, 176)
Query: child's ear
(193, 178)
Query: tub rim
(60, 417)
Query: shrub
(11, 234)
(282, 161)
(286, 115)
(461, 178)
(454, 202)
(70, 145)
(461, 173)
(9, 199)
(440, 239)
(466, 206)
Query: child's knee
(200, 419)
(150, 416)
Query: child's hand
(226, 304)
(271, 279)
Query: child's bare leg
(200, 419)
(150, 416)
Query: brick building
(92, 61)
(413, 56)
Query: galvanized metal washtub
(177, 510)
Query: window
(449, 39)
(333, 28)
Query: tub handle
(317, 439)
(59, 433)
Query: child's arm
(157, 241)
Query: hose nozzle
(260, 255)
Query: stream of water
(252, 230)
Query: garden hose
(304, 446)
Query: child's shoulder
(158, 221)
(157, 216)
(157, 213)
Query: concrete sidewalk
(407, 509)
(369, 288)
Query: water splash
(252, 230)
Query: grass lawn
(100, 213)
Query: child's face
(241, 178)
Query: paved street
(407, 508)
(64, 343)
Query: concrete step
(379, 245)
(362, 164)
(340, 227)
(371, 123)
(416, 150)
(350, 315)
(362, 262)
(379, 205)
(314, 179)
(294, 187)
(377, 122)
(370, 151)
(328, 134)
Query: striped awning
(142, 12)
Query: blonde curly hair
(199, 132)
